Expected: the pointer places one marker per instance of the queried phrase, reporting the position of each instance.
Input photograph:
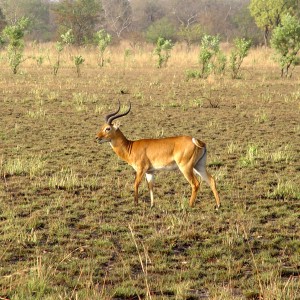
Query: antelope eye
(107, 129)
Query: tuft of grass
(36, 114)
(261, 116)
(79, 100)
(65, 179)
(250, 157)
(282, 155)
(285, 190)
(53, 95)
(99, 109)
(38, 283)
(138, 95)
(192, 74)
(32, 166)
(197, 102)
(233, 147)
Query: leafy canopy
(14, 34)
(269, 12)
(162, 28)
(286, 43)
(82, 16)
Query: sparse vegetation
(103, 39)
(163, 51)
(286, 42)
(68, 226)
(15, 48)
(78, 61)
(31, 166)
(209, 49)
(56, 65)
(237, 55)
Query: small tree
(66, 39)
(82, 16)
(286, 43)
(268, 13)
(210, 47)
(162, 50)
(240, 51)
(59, 48)
(190, 34)
(103, 39)
(14, 34)
(78, 60)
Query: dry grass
(68, 225)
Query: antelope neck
(121, 145)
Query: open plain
(69, 228)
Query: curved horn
(112, 114)
(120, 115)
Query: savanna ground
(69, 227)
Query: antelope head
(108, 130)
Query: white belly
(169, 167)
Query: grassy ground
(68, 226)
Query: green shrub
(78, 61)
(161, 28)
(103, 39)
(210, 47)
(162, 50)
(193, 74)
(220, 63)
(240, 51)
(286, 43)
(15, 34)
(190, 34)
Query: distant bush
(190, 35)
(15, 34)
(162, 50)
(56, 65)
(213, 60)
(103, 39)
(220, 63)
(240, 51)
(78, 61)
(193, 74)
(66, 39)
(162, 28)
(286, 43)
(209, 48)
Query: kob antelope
(149, 155)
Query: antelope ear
(116, 125)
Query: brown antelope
(149, 155)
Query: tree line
(160, 22)
(146, 20)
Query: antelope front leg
(138, 178)
(150, 180)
